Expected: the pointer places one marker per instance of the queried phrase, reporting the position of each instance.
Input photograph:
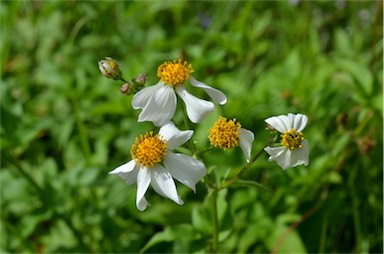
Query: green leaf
(200, 220)
(343, 42)
(359, 72)
(181, 232)
(285, 240)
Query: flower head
(228, 134)
(293, 149)
(153, 162)
(174, 73)
(158, 102)
(110, 68)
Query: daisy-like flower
(228, 134)
(158, 102)
(153, 162)
(294, 149)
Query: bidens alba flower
(228, 134)
(158, 102)
(153, 162)
(294, 149)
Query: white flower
(294, 149)
(228, 134)
(158, 102)
(153, 162)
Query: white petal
(298, 121)
(125, 168)
(246, 139)
(101, 68)
(197, 109)
(142, 204)
(185, 169)
(130, 177)
(281, 154)
(287, 158)
(300, 156)
(216, 95)
(174, 136)
(143, 181)
(140, 99)
(127, 172)
(161, 106)
(162, 183)
(280, 123)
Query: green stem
(23, 172)
(215, 229)
(355, 211)
(122, 79)
(82, 130)
(227, 183)
(204, 151)
(252, 184)
(323, 233)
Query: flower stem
(81, 129)
(215, 228)
(8, 157)
(205, 150)
(227, 183)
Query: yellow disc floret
(148, 150)
(292, 139)
(175, 73)
(225, 134)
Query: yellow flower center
(292, 139)
(225, 134)
(149, 150)
(175, 73)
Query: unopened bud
(125, 88)
(141, 79)
(110, 68)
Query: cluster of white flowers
(153, 161)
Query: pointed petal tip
(224, 101)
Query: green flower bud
(110, 68)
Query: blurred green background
(64, 126)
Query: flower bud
(126, 88)
(141, 79)
(110, 68)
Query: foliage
(64, 126)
